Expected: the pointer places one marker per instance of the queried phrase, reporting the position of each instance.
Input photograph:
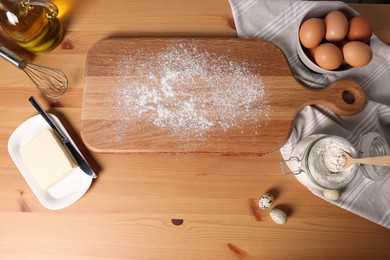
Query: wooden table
(164, 206)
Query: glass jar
(316, 161)
(371, 145)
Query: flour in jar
(333, 158)
(215, 93)
(326, 160)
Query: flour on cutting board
(188, 92)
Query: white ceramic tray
(65, 192)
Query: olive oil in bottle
(31, 24)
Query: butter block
(47, 158)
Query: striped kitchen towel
(278, 21)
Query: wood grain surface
(198, 81)
(145, 206)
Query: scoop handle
(379, 160)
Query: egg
(311, 32)
(359, 29)
(357, 54)
(310, 53)
(340, 45)
(336, 26)
(266, 200)
(278, 216)
(331, 194)
(328, 56)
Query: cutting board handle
(345, 97)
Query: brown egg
(336, 26)
(312, 32)
(357, 53)
(310, 53)
(328, 56)
(359, 29)
(340, 45)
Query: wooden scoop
(379, 160)
(109, 123)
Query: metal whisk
(49, 81)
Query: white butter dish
(65, 192)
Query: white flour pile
(181, 91)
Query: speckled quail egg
(266, 200)
(278, 216)
(331, 194)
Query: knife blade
(84, 166)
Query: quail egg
(278, 216)
(266, 200)
(331, 194)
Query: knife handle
(43, 113)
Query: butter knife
(84, 166)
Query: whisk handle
(12, 57)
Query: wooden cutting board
(219, 96)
